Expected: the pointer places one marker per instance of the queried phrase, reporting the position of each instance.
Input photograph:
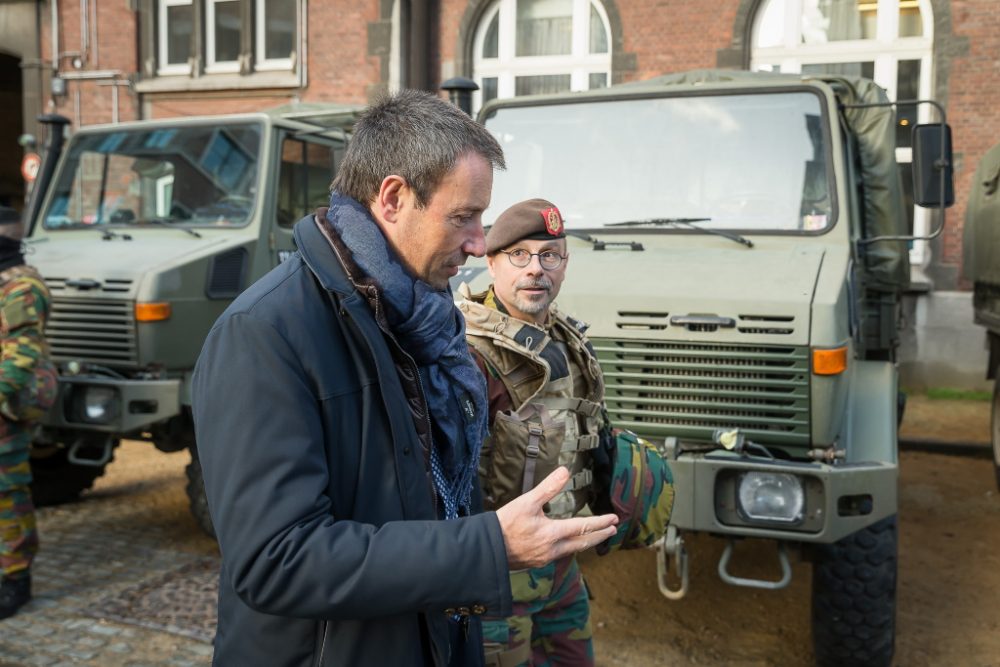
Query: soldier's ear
(490, 259)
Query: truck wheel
(854, 598)
(196, 494)
(55, 480)
(995, 429)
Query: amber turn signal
(830, 362)
(152, 312)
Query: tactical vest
(556, 389)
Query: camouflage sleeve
(24, 305)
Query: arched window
(889, 41)
(526, 47)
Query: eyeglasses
(549, 259)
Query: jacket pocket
(525, 450)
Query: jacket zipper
(322, 645)
(415, 370)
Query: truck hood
(116, 264)
(756, 295)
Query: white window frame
(163, 68)
(163, 184)
(506, 67)
(886, 50)
(213, 66)
(261, 63)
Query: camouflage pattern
(641, 492)
(551, 621)
(27, 389)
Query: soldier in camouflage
(546, 393)
(27, 390)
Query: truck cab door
(307, 166)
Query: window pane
(539, 85)
(865, 69)
(227, 31)
(279, 28)
(544, 27)
(597, 81)
(837, 20)
(179, 26)
(907, 88)
(770, 30)
(910, 22)
(489, 89)
(304, 180)
(491, 45)
(598, 38)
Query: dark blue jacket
(317, 483)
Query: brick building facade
(98, 61)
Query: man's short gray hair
(415, 135)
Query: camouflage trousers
(551, 621)
(18, 535)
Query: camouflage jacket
(27, 375)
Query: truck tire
(854, 598)
(995, 429)
(197, 500)
(54, 480)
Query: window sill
(172, 84)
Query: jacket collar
(332, 265)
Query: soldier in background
(546, 394)
(27, 390)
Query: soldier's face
(528, 292)
(434, 241)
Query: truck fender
(871, 414)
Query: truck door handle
(83, 283)
(704, 320)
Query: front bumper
(839, 499)
(131, 405)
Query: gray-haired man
(339, 419)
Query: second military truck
(144, 233)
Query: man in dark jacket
(339, 419)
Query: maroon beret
(532, 219)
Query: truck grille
(690, 389)
(98, 331)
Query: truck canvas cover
(886, 262)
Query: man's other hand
(532, 539)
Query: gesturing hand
(532, 539)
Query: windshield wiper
(684, 222)
(165, 223)
(604, 245)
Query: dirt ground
(949, 575)
(949, 566)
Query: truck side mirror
(931, 163)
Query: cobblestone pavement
(124, 578)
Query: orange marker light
(830, 362)
(152, 312)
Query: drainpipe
(419, 45)
(54, 6)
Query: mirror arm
(941, 164)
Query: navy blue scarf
(431, 329)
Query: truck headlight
(94, 404)
(771, 496)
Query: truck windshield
(750, 162)
(192, 176)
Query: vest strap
(534, 437)
(580, 480)
(582, 444)
(497, 656)
(580, 405)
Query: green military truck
(144, 233)
(735, 247)
(981, 264)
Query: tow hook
(786, 570)
(79, 450)
(671, 547)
